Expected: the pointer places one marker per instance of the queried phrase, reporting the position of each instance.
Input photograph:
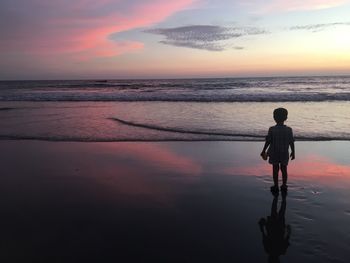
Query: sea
(213, 109)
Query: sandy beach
(169, 202)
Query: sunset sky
(61, 39)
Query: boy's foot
(274, 189)
(284, 188)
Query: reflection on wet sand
(275, 232)
(310, 166)
(168, 202)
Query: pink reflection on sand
(142, 169)
(305, 167)
(153, 156)
(159, 156)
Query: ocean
(226, 109)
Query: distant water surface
(190, 109)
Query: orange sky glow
(185, 38)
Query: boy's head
(280, 115)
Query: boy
(279, 138)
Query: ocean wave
(181, 130)
(146, 96)
(285, 89)
(221, 133)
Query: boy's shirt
(280, 137)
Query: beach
(169, 202)
(153, 131)
(170, 171)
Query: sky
(89, 39)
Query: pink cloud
(109, 49)
(83, 26)
(293, 5)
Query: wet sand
(171, 202)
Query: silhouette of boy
(278, 140)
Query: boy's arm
(292, 154)
(266, 145)
(267, 142)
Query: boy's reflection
(274, 230)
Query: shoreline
(82, 140)
(61, 121)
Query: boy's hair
(280, 114)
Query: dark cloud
(195, 44)
(208, 37)
(319, 27)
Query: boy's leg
(284, 174)
(275, 169)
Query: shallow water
(159, 121)
(168, 202)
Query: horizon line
(181, 78)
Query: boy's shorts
(280, 158)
